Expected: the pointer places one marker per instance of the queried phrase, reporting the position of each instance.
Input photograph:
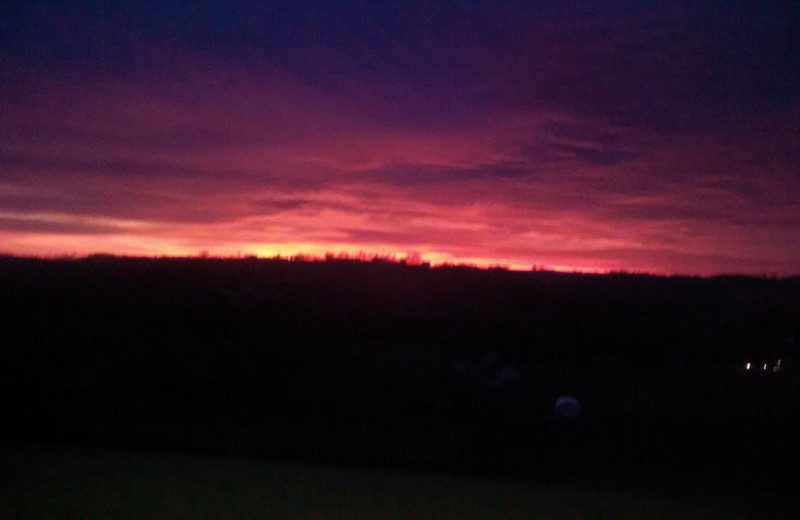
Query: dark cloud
(670, 67)
(121, 203)
(153, 140)
(409, 174)
(594, 156)
(20, 165)
(45, 226)
(304, 206)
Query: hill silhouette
(382, 363)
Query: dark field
(45, 481)
(443, 373)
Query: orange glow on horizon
(79, 246)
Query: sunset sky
(592, 135)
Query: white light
(747, 366)
(779, 362)
(765, 366)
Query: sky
(644, 136)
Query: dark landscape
(446, 370)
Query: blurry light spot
(568, 407)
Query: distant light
(765, 366)
(747, 366)
(776, 368)
(779, 363)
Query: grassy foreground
(50, 481)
